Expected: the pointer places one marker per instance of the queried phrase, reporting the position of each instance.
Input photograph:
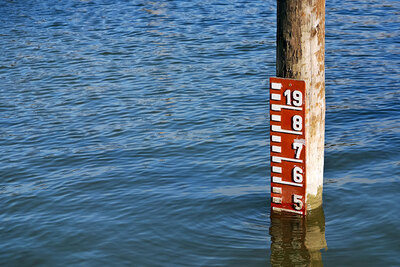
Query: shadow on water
(297, 241)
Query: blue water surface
(136, 133)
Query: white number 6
(297, 175)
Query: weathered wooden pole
(300, 55)
(297, 241)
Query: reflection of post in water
(296, 240)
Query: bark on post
(301, 55)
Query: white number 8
(297, 123)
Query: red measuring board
(288, 150)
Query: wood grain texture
(301, 55)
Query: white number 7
(298, 147)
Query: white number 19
(297, 98)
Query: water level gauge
(288, 150)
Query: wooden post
(300, 55)
(297, 241)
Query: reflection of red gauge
(288, 145)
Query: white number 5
(297, 203)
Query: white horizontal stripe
(277, 200)
(277, 128)
(276, 149)
(275, 97)
(276, 190)
(278, 180)
(276, 107)
(276, 169)
(276, 117)
(280, 209)
(276, 86)
(277, 159)
(276, 138)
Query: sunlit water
(136, 133)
